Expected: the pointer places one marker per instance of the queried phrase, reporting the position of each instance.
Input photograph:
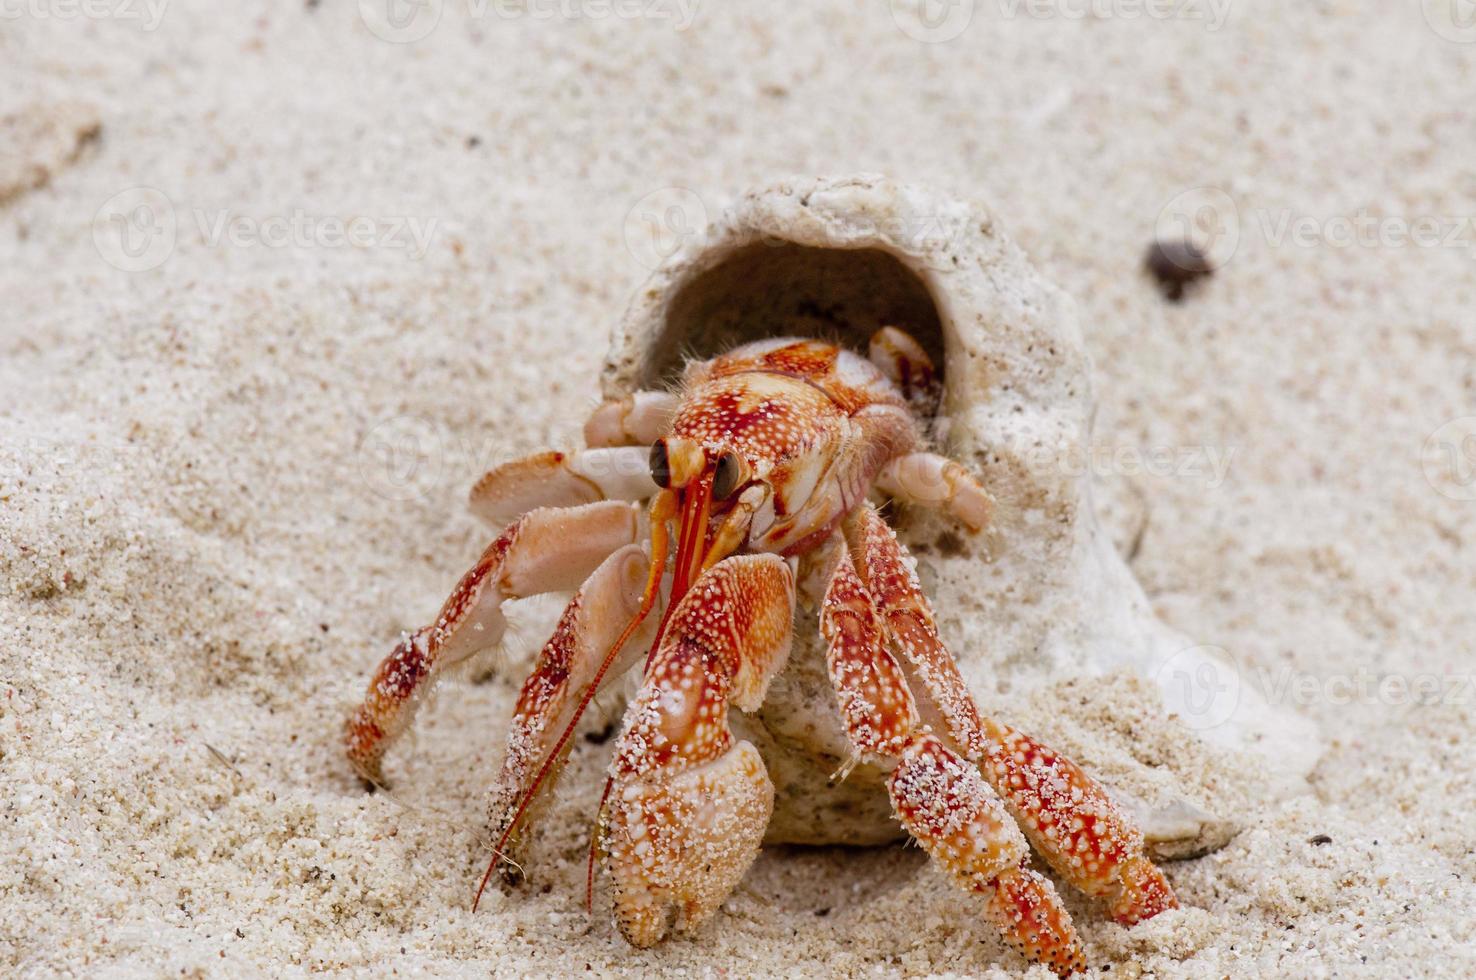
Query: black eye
(726, 479)
(660, 465)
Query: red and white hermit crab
(763, 464)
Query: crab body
(758, 475)
(811, 423)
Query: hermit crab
(831, 355)
(758, 471)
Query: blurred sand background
(203, 550)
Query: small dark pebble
(822, 913)
(1177, 265)
(1319, 840)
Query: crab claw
(677, 844)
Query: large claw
(677, 844)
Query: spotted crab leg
(689, 804)
(546, 550)
(940, 797)
(930, 480)
(1075, 826)
(557, 479)
(567, 666)
(638, 419)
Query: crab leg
(940, 797)
(547, 550)
(555, 479)
(689, 805)
(638, 419)
(1069, 818)
(901, 358)
(566, 667)
(930, 480)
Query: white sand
(201, 561)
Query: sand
(203, 549)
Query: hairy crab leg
(689, 804)
(940, 798)
(901, 358)
(663, 509)
(547, 550)
(566, 668)
(638, 419)
(907, 621)
(555, 479)
(930, 480)
(1082, 834)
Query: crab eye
(660, 464)
(727, 477)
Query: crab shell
(838, 258)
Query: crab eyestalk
(681, 465)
